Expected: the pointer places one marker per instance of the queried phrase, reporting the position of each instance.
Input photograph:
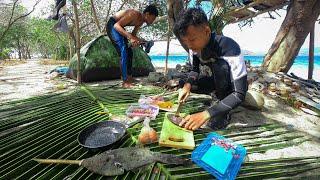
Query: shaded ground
(27, 80)
(30, 79)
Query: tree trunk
(301, 15)
(72, 41)
(28, 52)
(19, 49)
(311, 53)
(174, 7)
(75, 9)
(167, 52)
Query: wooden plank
(175, 136)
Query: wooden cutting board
(174, 136)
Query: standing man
(223, 56)
(119, 36)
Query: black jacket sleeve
(232, 100)
(194, 74)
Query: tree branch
(95, 16)
(109, 9)
(259, 12)
(124, 2)
(16, 19)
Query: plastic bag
(147, 134)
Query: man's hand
(134, 41)
(184, 93)
(194, 121)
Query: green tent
(100, 61)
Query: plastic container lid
(219, 156)
(142, 110)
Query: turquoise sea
(300, 66)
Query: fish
(175, 119)
(118, 161)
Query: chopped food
(157, 98)
(176, 139)
(165, 104)
(175, 119)
(142, 111)
(147, 134)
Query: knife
(178, 109)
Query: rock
(270, 77)
(52, 76)
(253, 100)
(296, 86)
(155, 77)
(272, 87)
(283, 89)
(251, 77)
(178, 67)
(284, 92)
(257, 86)
(173, 83)
(287, 81)
(172, 73)
(186, 68)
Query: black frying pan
(101, 135)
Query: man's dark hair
(191, 16)
(151, 9)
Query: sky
(258, 38)
(41, 5)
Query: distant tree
(45, 41)
(14, 16)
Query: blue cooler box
(219, 156)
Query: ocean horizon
(299, 67)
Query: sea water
(299, 67)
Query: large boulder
(254, 100)
(100, 61)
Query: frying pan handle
(135, 122)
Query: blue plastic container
(219, 156)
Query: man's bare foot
(131, 79)
(127, 84)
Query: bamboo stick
(58, 161)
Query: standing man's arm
(127, 19)
(136, 29)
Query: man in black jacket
(223, 56)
